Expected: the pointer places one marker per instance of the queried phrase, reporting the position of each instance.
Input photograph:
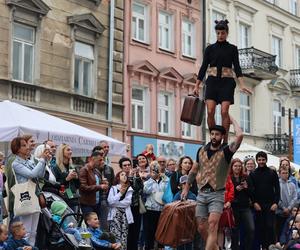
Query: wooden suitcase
(193, 110)
(177, 224)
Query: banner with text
(296, 133)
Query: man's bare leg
(211, 109)
(202, 227)
(212, 237)
(225, 118)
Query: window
(23, 52)
(244, 36)
(139, 24)
(138, 109)
(165, 31)
(164, 113)
(188, 38)
(218, 116)
(293, 7)
(245, 112)
(84, 58)
(277, 123)
(277, 49)
(215, 16)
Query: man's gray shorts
(209, 202)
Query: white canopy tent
(17, 120)
(247, 150)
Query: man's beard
(215, 143)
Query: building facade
(55, 57)
(163, 48)
(267, 34)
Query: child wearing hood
(58, 210)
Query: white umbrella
(17, 120)
(247, 150)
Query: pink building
(163, 52)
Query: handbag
(193, 110)
(227, 218)
(142, 208)
(168, 194)
(25, 202)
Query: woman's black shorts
(220, 89)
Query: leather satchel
(193, 110)
(177, 224)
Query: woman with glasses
(66, 175)
(171, 167)
(249, 163)
(153, 189)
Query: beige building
(267, 34)
(55, 57)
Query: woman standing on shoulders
(220, 84)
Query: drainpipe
(203, 49)
(110, 65)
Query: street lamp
(290, 128)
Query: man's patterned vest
(212, 171)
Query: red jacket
(229, 190)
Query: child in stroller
(59, 210)
(51, 235)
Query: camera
(156, 168)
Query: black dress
(220, 54)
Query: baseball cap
(183, 179)
(218, 128)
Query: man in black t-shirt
(266, 197)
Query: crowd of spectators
(122, 210)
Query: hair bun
(216, 21)
(226, 21)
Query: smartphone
(135, 163)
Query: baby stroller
(50, 235)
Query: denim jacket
(152, 188)
(26, 169)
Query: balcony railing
(257, 64)
(82, 105)
(277, 143)
(23, 93)
(295, 78)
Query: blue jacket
(190, 196)
(96, 241)
(13, 244)
(26, 169)
(3, 245)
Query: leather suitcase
(193, 110)
(177, 224)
